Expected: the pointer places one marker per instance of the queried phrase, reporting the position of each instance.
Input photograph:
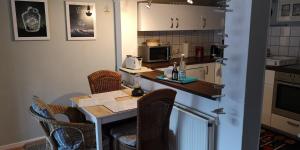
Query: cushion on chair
(123, 129)
(42, 109)
(128, 140)
(68, 139)
(62, 136)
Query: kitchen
(201, 42)
(224, 92)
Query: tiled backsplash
(284, 41)
(176, 38)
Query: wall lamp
(190, 1)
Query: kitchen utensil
(133, 62)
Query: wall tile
(285, 31)
(275, 41)
(274, 50)
(295, 31)
(176, 38)
(294, 51)
(284, 41)
(275, 31)
(283, 51)
(294, 41)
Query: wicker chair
(78, 128)
(153, 115)
(104, 81)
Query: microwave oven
(155, 53)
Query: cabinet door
(164, 17)
(210, 72)
(197, 71)
(211, 19)
(286, 124)
(267, 104)
(157, 18)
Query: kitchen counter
(288, 69)
(200, 88)
(188, 61)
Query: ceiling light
(190, 1)
(149, 2)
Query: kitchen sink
(280, 60)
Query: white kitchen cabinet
(218, 73)
(205, 72)
(285, 124)
(164, 17)
(267, 97)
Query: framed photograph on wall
(30, 19)
(81, 20)
(288, 10)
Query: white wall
(126, 29)
(54, 69)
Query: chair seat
(129, 140)
(123, 129)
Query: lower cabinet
(285, 124)
(205, 72)
(267, 104)
(268, 97)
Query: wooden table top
(100, 110)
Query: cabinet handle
(172, 20)
(292, 124)
(177, 20)
(204, 23)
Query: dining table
(108, 107)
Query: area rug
(272, 140)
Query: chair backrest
(45, 126)
(104, 81)
(153, 115)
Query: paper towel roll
(185, 49)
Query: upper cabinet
(166, 17)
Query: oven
(286, 98)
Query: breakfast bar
(200, 88)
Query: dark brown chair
(153, 115)
(104, 81)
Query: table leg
(99, 134)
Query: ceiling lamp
(190, 1)
(149, 2)
(88, 12)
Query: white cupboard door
(165, 17)
(210, 72)
(211, 19)
(218, 73)
(267, 104)
(158, 17)
(285, 124)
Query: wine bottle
(174, 72)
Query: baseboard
(20, 144)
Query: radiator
(191, 129)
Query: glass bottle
(174, 72)
(181, 72)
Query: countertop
(200, 88)
(287, 69)
(188, 61)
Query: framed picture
(288, 10)
(81, 20)
(30, 19)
